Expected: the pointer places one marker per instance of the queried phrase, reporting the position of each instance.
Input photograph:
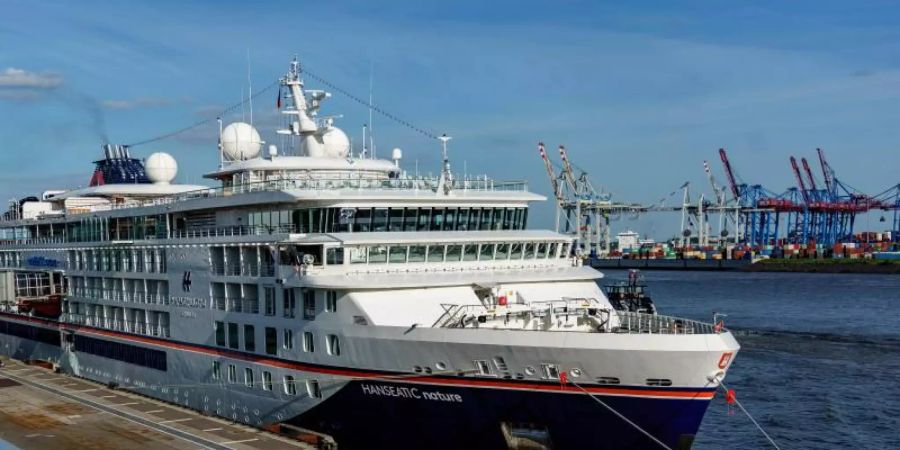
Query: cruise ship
(337, 292)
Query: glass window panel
(515, 251)
(502, 251)
(486, 217)
(454, 253)
(470, 252)
(378, 254)
(529, 251)
(437, 219)
(409, 219)
(435, 253)
(424, 219)
(417, 253)
(474, 218)
(363, 220)
(564, 250)
(542, 250)
(398, 254)
(357, 255)
(395, 222)
(486, 253)
(379, 220)
(450, 219)
(462, 219)
(498, 218)
(552, 253)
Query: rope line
(208, 120)
(758, 426)
(384, 113)
(610, 408)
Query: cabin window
(529, 251)
(288, 341)
(289, 387)
(334, 256)
(435, 253)
(334, 345)
(378, 254)
(454, 253)
(449, 219)
(515, 251)
(312, 388)
(248, 377)
(269, 293)
(357, 255)
(249, 338)
(424, 219)
(380, 219)
(470, 252)
(217, 370)
(398, 254)
(331, 301)
(462, 219)
(233, 336)
(486, 253)
(267, 381)
(220, 334)
(417, 253)
(309, 342)
(232, 373)
(410, 219)
(658, 382)
(502, 251)
(552, 253)
(271, 340)
(290, 303)
(395, 219)
(309, 304)
(362, 220)
(564, 250)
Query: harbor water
(819, 361)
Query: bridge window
(486, 253)
(417, 253)
(435, 253)
(454, 253)
(470, 252)
(398, 254)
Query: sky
(641, 93)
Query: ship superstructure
(337, 292)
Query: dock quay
(43, 409)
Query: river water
(819, 365)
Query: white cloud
(13, 78)
(143, 102)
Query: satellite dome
(336, 143)
(240, 141)
(161, 168)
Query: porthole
(530, 371)
(417, 369)
(440, 365)
(428, 370)
(576, 372)
(519, 376)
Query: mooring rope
(621, 416)
(758, 426)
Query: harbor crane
(581, 209)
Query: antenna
(446, 177)
(250, 85)
(371, 99)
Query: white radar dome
(240, 141)
(336, 143)
(161, 168)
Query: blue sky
(641, 94)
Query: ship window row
(337, 220)
(245, 298)
(126, 320)
(132, 354)
(289, 382)
(232, 335)
(149, 260)
(242, 260)
(10, 259)
(438, 253)
(132, 290)
(30, 332)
